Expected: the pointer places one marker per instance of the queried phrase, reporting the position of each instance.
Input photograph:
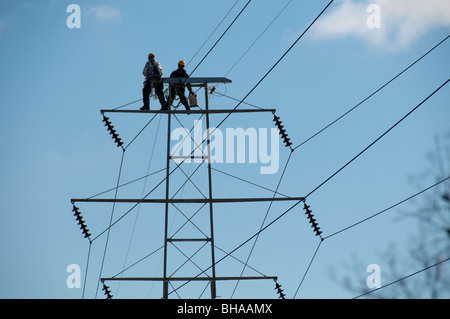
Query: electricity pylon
(207, 274)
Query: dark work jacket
(179, 73)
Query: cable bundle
(312, 220)
(282, 131)
(112, 131)
(279, 290)
(106, 290)
(81, 222)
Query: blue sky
(55, 147)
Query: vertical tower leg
(211, 220)
(166, 222)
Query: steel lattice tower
(210, 200)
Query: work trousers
(159, 87)
(174, 91)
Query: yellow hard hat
(151, 55)
(182, 63)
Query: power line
(220, 38)
(254, 42)
(380, 137)
(307, 269)
(352, 161)
(357, 105)
(87, 269)
(148, 123)
(110, 221)
(249, 182)
(360, 222)
(281, 58)
(371, 95)
(143, 189)
(214, 31)
(126, 104)
(137, 262)
(386, 209)
(403, 278)
(127, 183)
(237, 100)
(263, 222)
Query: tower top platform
(197, 81)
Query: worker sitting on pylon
(152, 72)
(178, 89)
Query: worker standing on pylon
(179, 89)
(152, 72)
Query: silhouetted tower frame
(201, 82)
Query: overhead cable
(386, 209)
(372, 94)
(403, 278)
(279, 60)
(254, 42)
(380, 137)
(223, 19)
(220, 38)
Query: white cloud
(402, 21)
(104, 12)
